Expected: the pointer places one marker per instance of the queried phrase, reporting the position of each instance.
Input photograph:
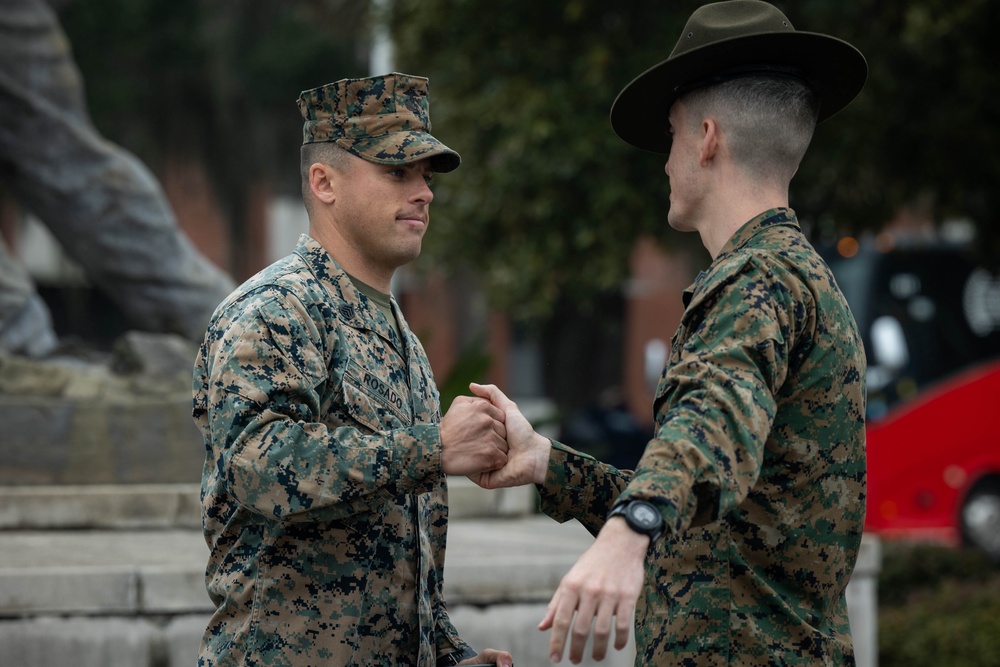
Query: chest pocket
(373, 402)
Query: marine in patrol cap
(726, 40)
(383, 119)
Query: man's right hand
(528, 453)
(473, 437)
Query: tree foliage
(550, 201)
(927, 125)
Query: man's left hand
(490, 657)
(604, 584)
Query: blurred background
(549, 268)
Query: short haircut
(768, 120)
(324, 152)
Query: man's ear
(709, 141)
(322, 182)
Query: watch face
(644, 515)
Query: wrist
(631, 542)
(543, 449)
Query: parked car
(930, 320)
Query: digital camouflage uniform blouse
(758, 464)
(324, 502)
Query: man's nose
(423, 192)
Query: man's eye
(429, 178)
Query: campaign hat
(726, 40)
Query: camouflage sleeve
(717, 400)
(449, 644)
(275, 453)
(447, 640)
(578, 486)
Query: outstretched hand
(527, 453)
(598, 595)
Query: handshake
(486, 438)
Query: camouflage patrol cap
(383, 119)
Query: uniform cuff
(416, 458)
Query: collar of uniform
(353, 308)
(743, 236)
(769, 218)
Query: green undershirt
(381, 301)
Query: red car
(934, 463)
(930, 320)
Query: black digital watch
(641, 516)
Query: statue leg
(25, 323)
(99, 201)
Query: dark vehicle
(930, 320)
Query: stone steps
(113, 575)
(142, 550)
(159, 506)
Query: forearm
(709, 447)
(308, 472)
(578, 486)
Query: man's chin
(407, 257)
(676, 223)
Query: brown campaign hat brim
(836, 71)
(402, 148)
